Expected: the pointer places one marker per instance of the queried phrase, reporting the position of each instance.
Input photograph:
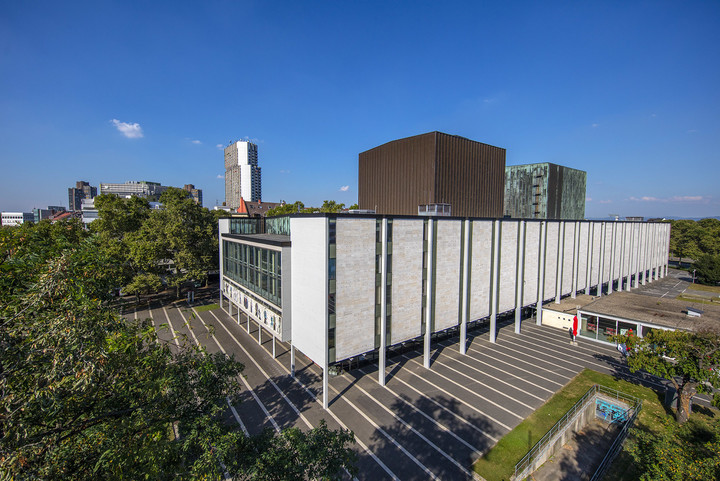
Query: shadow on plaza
(470, 431)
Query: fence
(540, 452)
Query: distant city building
(89, 212)
(16, 218)
(437, 171)
(242, 174)
(52, 210)
(634, 218)
(82, 190)
(131, 188)
(195, 193)
(544, 191)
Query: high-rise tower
(242, 174)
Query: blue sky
(627, 91)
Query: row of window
(255, 268)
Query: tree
(144, 283)
(708, 269)
(285, 209)
(689, 360)
(331, 206)
(87, 394)
(354, 207)
(689, 451)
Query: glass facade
(255, 268)
(261, 225)
(332, 226)
(601, 328)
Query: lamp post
(693, 280)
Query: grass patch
(499, 463)
(697, 300)
(207, 307)
(700, 287)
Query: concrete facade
(510, 265)
(544, 191)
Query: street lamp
(693, 276)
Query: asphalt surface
(424, 424)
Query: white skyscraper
(242, 174)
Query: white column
(259, 333)
(230, 304)
(326, 398)
(541, 273)
(465, 284)
(292, 359)
(653, 253)
(588, 264)
(621, 268)
(576, 259)
(638, 251)
(631, 254)
(667, 248)
(613, 244)
(238, 315)
(495, 283)
(603, 242)
(560, 262)
(383, 303)
(274, 342)
(520, 276)
(247, 316)
(430, 302)
(644, 261)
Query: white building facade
(242, 174)
(353, 285)
(16, 218)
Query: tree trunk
(685, 394)
(177, 291)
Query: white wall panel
(355, 287)
(480, 269)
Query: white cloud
(675, 198)
(131, 131)
(691, 131)
(688, 198)
(284, 171)
(595, 126)
(196, 142)
(220, 176)
(220, 146)
(344, 188)
(606, 202)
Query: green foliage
(693, 239)
(689, 360)
(295, 455)
(354, 207)
(331, 206)
(87, 394)
(286, 209)
(707, 269)
(144, 283)
(682, 452)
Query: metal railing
(546, 441)
(616, 445)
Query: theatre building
(339, 286)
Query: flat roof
(270, 239)
(569, 305)
(661, 311)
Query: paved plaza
(425, 423)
